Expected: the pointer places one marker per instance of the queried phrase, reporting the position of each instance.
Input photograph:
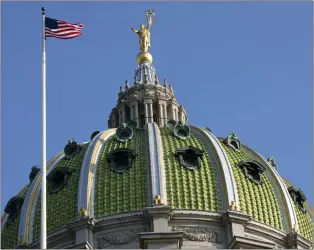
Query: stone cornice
(195, 215)
(159, 211)
(248, 243)
(235, 217)
(112, 220)
(295, 240)
(163, 237)
(54, 238)
(255, 227)
(81, 222)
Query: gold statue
(143, 32)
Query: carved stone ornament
(94, 134)
(200, 234)
(125, 131)
(208, 129)
(71, 149)
(13, 208)
(121, 159)
(233, 142)
(148, 93)
(58, 178)
(179, 129)
(105, 240)
(35, 170)
(252, 170)
(189, 157)
(272, 162)
(298, 197)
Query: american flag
(61, 29)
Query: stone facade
(163, 227)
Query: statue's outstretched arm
(134, 30)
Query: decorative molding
(298, 197)
(226, 168)
(125, 131)
(233, 142)
(252, 170)
(287, 203)
(71, 149)
(121, 159)
(200, 234)
(190, 157)
(58, 178)
(271, 160)
(13, 208)
(179, 129)
(104, 240)
(35, 170)
(31, 200)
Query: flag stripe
(65, 37)
(61, 29)
(61, 32)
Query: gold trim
(30, 204)
(92, 165)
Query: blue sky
(241, 67)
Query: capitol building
(153, 180)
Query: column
(120, 118)
(165, 114)
(146, 113)
(173, 113)
(151, 113)
(161, 121)
(136, 115)
(123, 114)
(131, 113)
(113, 121)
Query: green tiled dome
(96, 188)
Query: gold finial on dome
(234, 206)
(157, 200)
(144, 39)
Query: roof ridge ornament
(179, 129)
(125, 131)
(233, 141)
(272, 162)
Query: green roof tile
(112, 190)
(9, 233)
(188, 189)
(259, 201)
(61, 206)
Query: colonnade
(163, 113)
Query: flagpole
(43, 233)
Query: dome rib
(87, 173)
(31, 199)
(287, 203)
(61, 206)
(156, 174)
(258, 201)
(228, 178)
(304, 220)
